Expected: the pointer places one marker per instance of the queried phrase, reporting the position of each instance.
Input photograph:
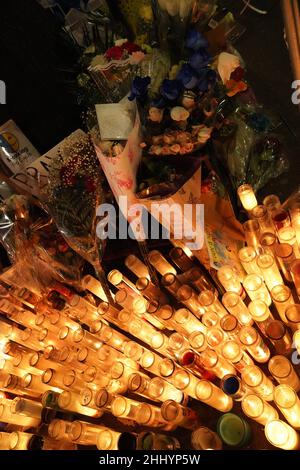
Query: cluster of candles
(76, 370)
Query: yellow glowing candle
(261, 214)
(23, 441)
(270, 271)
(247, 197)
(288, 235)
(180, 258)
(60, 430)
(247, 257)
(112, 440)
(167, 368)
(71, 401)
(254, 344)
(272, 202)
(288, 403)
(261, 314)
(252, 234)
(4, 440)
(277, 333)
(292, 314)
(85, 433)
(234, 304)
(135, 265)
(256, 289)
(283, 372)
(211, 319)
(257, 381)
(229, 280)
(232, 351)
(185, 321)
(257, 409)
(215, 338)
(171, 283)
(230, 326)
(184, 417)
(93, 285)
(149, 415)
(285, 257)
(209, 301)
(213, 396)
(189, 298)
(160, 263)
(268, 242)
(197, 341)
(117, 279)
(161, 390)
(281, 435)
(216, 363)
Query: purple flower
(199, 59)
(170, 89)
(207, 78)
(139, 87)
(195, 40)
(188, 77)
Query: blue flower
(139, 87)
(199, 59)
(259, 122)
(188, 77)
(195, 40)
(207, 78)
(170, 89)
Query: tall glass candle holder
(247, 257)
(292, 315)
(261, 314)
(185, 321)
(182, 416)
(232, 351)
(230, 326)
(93, 285)
(113, 338)
(4, 440)
(247, 197)
(205, 439)
(257, 409)
(210, 303)
(257, 381)
(282, 298)
(193, 362)
(178, 344)
(254, 344)
(256, 289)
(234, 304)
(215, 338)
(261, 214)
(277, 333)
(136, 266)
(150, 416)
(25, 441)
(151, 292)
(185, 381)
(269, 269)
(138, 383)
(288, 403)
(161, 343)
(82, 338)
(280, 218)
(272, 202)
(181, 260)
(59, 429)
(229, 280)
(189, 298)
(283, 372)
(268, 242)
(133, 350)
(167, 368)
(103, 399)
(213, 396)
(287, 235)
(85, 433)
(117, 279)
(233, 386)
(216, 363)
(150, 362)
(197, 341)
(295, 272)
(211, 319)
(160, 263)
(161, 390)
(252, 233)
(285, 256)
(281, 435)
(198, 281)
(171, 282)
(71, 401)
(108, 439)
(155, 441)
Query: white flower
(120, 42)
(99, 60)
(227, 63)
(178, 113)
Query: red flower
(130, 47)
(114, 53)
(206, 186)
(90, 185)
(238, 74)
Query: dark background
(39, 68)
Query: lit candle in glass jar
(272, 202)
(281, 435)
(288, 235)
(277, 333)
(160, 263)
(261, 214)
(247, 257)
(282, 298)
(209, 301)
(288, 403)
(252, 234)
(229, 280)
(292, 314)
(256, 289)
(257, 381)
(254, 344)
(268, 242)
(247, 197)
(280, 218)
(269, 269)
(295, 272)
(234, 304)
(257, 409)
(232, 351)
(285, 256)
(260, 314)
(213, 396)
(283, 372)
(136, 266)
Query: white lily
(227, 63)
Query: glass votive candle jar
(282, 298)
(247, 197)
(117, 279)
(198, 281)
(292, 314)
(280, 218)
(281, 435)
(261, 314)
(160, 263)
(197, 341)
(171, 282)
(180, 258)
(215, 338)
(233, 386)
(167, 367)
(213, 396)
(107, 439)
(182, 416)
(252, 233)
(154, 441)
(150, 291)
(210, 319)
(283, 372)
(136, 266)
(25, 441)
(268, 242)
(288, 403)
(254, 344)
(269, 269)
(272, 202)
(257, 381)
(234, 430)
(256, 289)
(232, 351)
(288, 235)
(188, 297)
(216, 363)
(185, 321)
(205, 439)
(261, 214)
(257, 409)
(229, 280)
(285, 256)
(209, 301)
(295, 272)
(192, 361)
(234, 304)
(247, 257)
(276, 332)
(160, 389)
(230, 326)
